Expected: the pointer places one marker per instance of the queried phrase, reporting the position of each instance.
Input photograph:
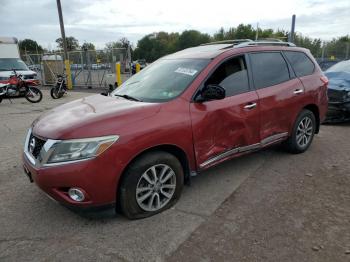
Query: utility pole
(63, 34)
(292, 31)
(65, 53)
(257, 32)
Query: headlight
(78, 149)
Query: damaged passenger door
(228, 126)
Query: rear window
(268, 69)
(300, 62)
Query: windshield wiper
(129, 97)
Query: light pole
(65, 53)
(291, 34)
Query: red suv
(179, 116)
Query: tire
(38, 95)
(131, 204)
(53, 93)
(301, 138)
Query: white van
(10, 59)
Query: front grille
(335, 95)
(38, 145)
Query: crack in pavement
(8, 128)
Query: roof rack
(233, 42)
(265, 43)
(269, 40)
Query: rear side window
(300, 62)
(268, 69)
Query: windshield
(343, 66)
(8, 64)
(163, 80)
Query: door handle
(298, 91)
(250, 106)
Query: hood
(338, 80)
(92, 116)
(20, 72)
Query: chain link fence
(89, 68)
(331, 53)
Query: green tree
(219, 35)
(72, 43)
(245, 31)
(190, 38)
(339, 48)
(88, 46)
(156, 45)
(122, 43)
(314, 45)
(29, 46)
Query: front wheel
(152, 184)
(33, 95)
(303, 132)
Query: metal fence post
(69, 74)
(117, 73)
(323, 50)
(138, 67)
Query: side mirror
(212, 92)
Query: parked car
(76, 66)
(339, 92)
(35, 67)
(141, 62)
(182, 114)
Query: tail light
(324, 79)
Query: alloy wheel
(155, 187)
(304, 131)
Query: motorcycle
(60, 88)
(17, 87)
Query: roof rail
(269, 40)
(265, 43)
(233, 42)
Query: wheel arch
(315, 110)
(178, 152)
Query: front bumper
(97, 177)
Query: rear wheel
(33, 95)
(152, 184)
(55, 93)
(303, 132)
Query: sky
(102, 21)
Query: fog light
(76, 194)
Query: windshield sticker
(186, 71)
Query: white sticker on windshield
(186, 71)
